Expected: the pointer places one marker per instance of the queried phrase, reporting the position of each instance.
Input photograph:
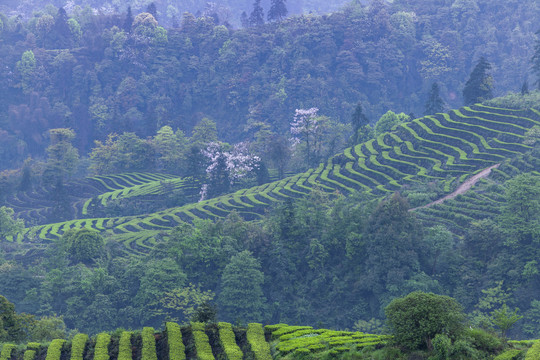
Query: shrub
(149, 344)
(202, 343)
(259, 346)
(512, 354)
(55, 349)
(124, 346)
(77, 346)
(101, 351)
(177, 350)
(6, 351)
(228, 341)
(416, 318)
(29, 355)
(485, 341)
(534, 352)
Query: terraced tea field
(198, 341)
(446, 148)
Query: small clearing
(462, 188)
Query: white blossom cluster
(236, 163)
(304, 123)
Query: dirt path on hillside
(462, 188)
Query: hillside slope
(443, 148)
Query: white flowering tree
(308, 127)
(226, 167)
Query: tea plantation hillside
(443, 148)
(221, 341)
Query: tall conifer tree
(434, 103)
(479, 87)
(256, 17)
(128, 22)
(278, 10)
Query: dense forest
(271, 168)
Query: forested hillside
(100, 74)
(286, 171)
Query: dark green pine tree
(536, 59)
(244, 20)
(525, 88)
(479, 87)
(128, 22)
(61, 29)
(278, 10)
(151, 8)
(358, 121)
(256, 17)
(434, 103)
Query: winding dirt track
(462, 188)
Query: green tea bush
(177, 349)
(149, 344)
(512, 354)
(101, 351)
(202, 343)
(6, 351)
(55, 349)
(77, 346)
(534, 352)
(259, 346)
(228, 341)
(124, 346)
(29, 355)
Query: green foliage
(54, 350)
(177, 349)
(504, 318)
(257, 342)
(417, 318)
(47, 328)
(101, 350)
(228, 341)
(186, 300)
(27, 66)
(8, 225)
(29, 355)
(62, 156)
(241, 294)
(83, 245)
(479, 87)
(512, 354)
(534, 352)
(77, 346)
(148, 344)
(202, 343)
(6, 351)
(125, 351)
(388, 121)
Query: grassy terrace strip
(177, 350)
(257, 342)
(77, 346)
(202, 343)
(509, 355)
(303, 340)
(6, 351)
(101, 351)
(54, 351)
(534, 352)
(124, 346)
(228, 342)
(148, 344)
